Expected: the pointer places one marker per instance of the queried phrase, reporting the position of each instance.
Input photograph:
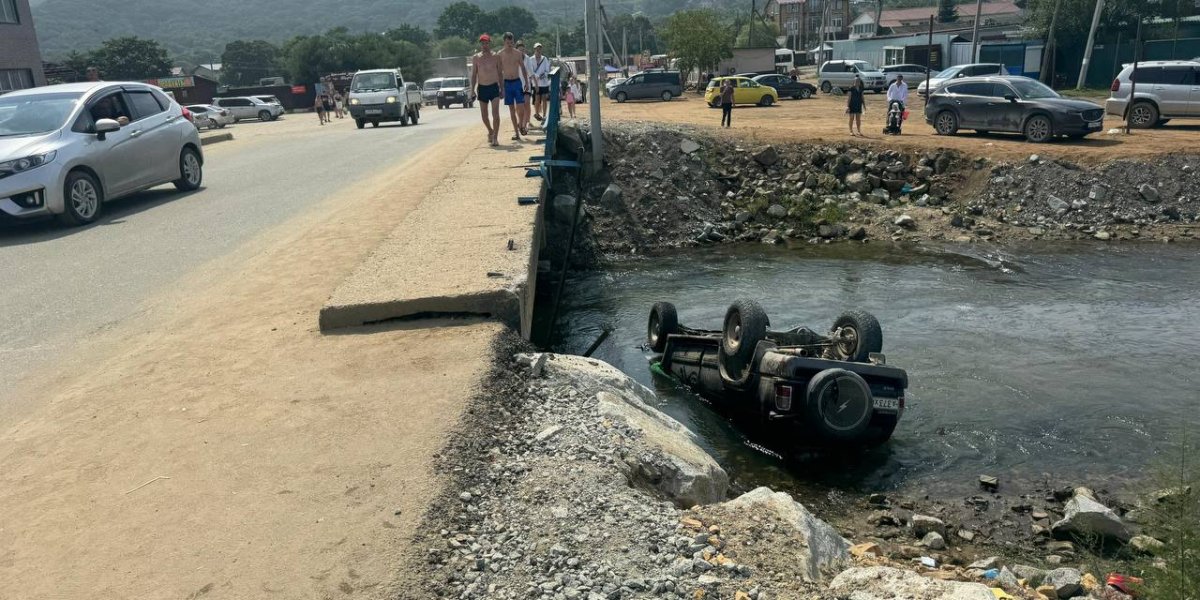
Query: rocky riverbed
(568, 482)
(670, 186)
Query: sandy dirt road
(822, 118)
(219, 446)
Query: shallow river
(1075, 362)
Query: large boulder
(1085, 518)
(819, 547)
(888, 583)
(662, 455)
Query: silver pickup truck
(380, 95)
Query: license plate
(1096, 125)
(374, 111)
(889, 404)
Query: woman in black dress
(855, 103)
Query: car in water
(1166, 89)
(959, 72)
(249, 107)
(812, 389)
(429, 90)
(454, 91)
(212, 117)
(840, 75)
(1011, 104)
(786, 87)
(66, 150)
(747, 91)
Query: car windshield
(865, 66)
(456, 82)
(1033, 90)
(40, 113)
(373, 81)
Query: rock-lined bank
(667, 187)
(566, 481)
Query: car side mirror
(106, 126)
(1010, 97)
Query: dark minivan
(663, 85)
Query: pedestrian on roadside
(727, 90)
(855, 105)
(485, 85)
(512, 68)
(527, 89)
(571, 93)
(337, 104)
(541, 77)
(897, 98)
(319, 108)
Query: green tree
(519, 21)
(1075, 16)
(764, 35)
(132, 58)
(453, 46)
(461, 19)
(698, 39)
(77, 62)
(412, 59)
(946, 12)
(245, 62)
(638, 31)
(410, 33)
(1174, 518)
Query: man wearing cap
(485, 85)
(541, 75)
(512, 69)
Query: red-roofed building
(911, 20)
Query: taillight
(187, 114)
(1116, 86)
(783, 397)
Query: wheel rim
(805, 94)
(191, 169)
(653, 333)
(1039, 129)
(84, 199)
(945, 123)
(733, 332)
(825, 87)
(1141, 115)
(666, 96)
(847, 342)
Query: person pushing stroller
(897, 99)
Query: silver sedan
(67, 149)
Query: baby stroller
(895, 118)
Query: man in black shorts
(540, 72)
(485, 73)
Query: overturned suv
(811, 389)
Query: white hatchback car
(67, 149)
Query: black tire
(404, 119)
(374, 123)
(664, 321)
(1039, 129)
(1143, 115)
(945, 123)
(666, 96)
(714, 105)
(191, 170)
(805, 94)
(83, 199)
(360, 123)
(826, 87)
(264, 115)
(416, 116)
(745, 326)
(212, 124)
(441, 106)
(621, 97)
(839, 405)
(766, 101)
(856, 335)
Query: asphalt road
(62, 284)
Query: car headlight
(391, 99)
(354, 101)
(19, 165)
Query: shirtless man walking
(485, 73)
(512, 68)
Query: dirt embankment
(670, 186)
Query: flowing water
(1075, 362)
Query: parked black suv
(662, 85)
(787, 87)
(1014, 104)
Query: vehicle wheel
(1038, 129)
(880, 430)
(839, 404)
(856, 334)
(82, 199)
(264, 115)
(360, 123)
(1143, 115)
(441, 106)
(221, 125)
(946, 123)
(374, 123)
(404, 119)
(213, 125)
(417, 115)
(826, 87)
(622, 97)
(805, 94)
(664, 321)
(714, 105)
(745, 326)
(191, 173)
(666, 96)
(766, 101)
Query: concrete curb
(215, 138)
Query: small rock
(965, 535)
(742, 216)
(1056, 204)
(905, 221)
(1103, 236)
(1032, 575)
(1145, 544)
(859, 233)
(548, 432)
(1054, 559)
(1099, 193)
(465, 496)
(923, 524)
(1149, 193)
(1037, 231)
(867, 549)
(989, 483)
(539, 365)
(611, 196)
(777, 211)
(688, 146)
(1083, 517)
(1033, 158)
(1067, 583)
(767, 156)
(934, 541)
(984, 564)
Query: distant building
(915, 20)
(806, 23)
(20, 58)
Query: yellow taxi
(747, 91)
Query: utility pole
(1087, 53)
(750, 36)
(929, 62)
(975, 29)
(1137, 45)
(592, 24)
(557, 42)
(625, 52)
(1049, 49)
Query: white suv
(247, 107)
(840, 74)
(1166, 89)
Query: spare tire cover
(839, 404)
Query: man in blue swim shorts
(512, 69)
